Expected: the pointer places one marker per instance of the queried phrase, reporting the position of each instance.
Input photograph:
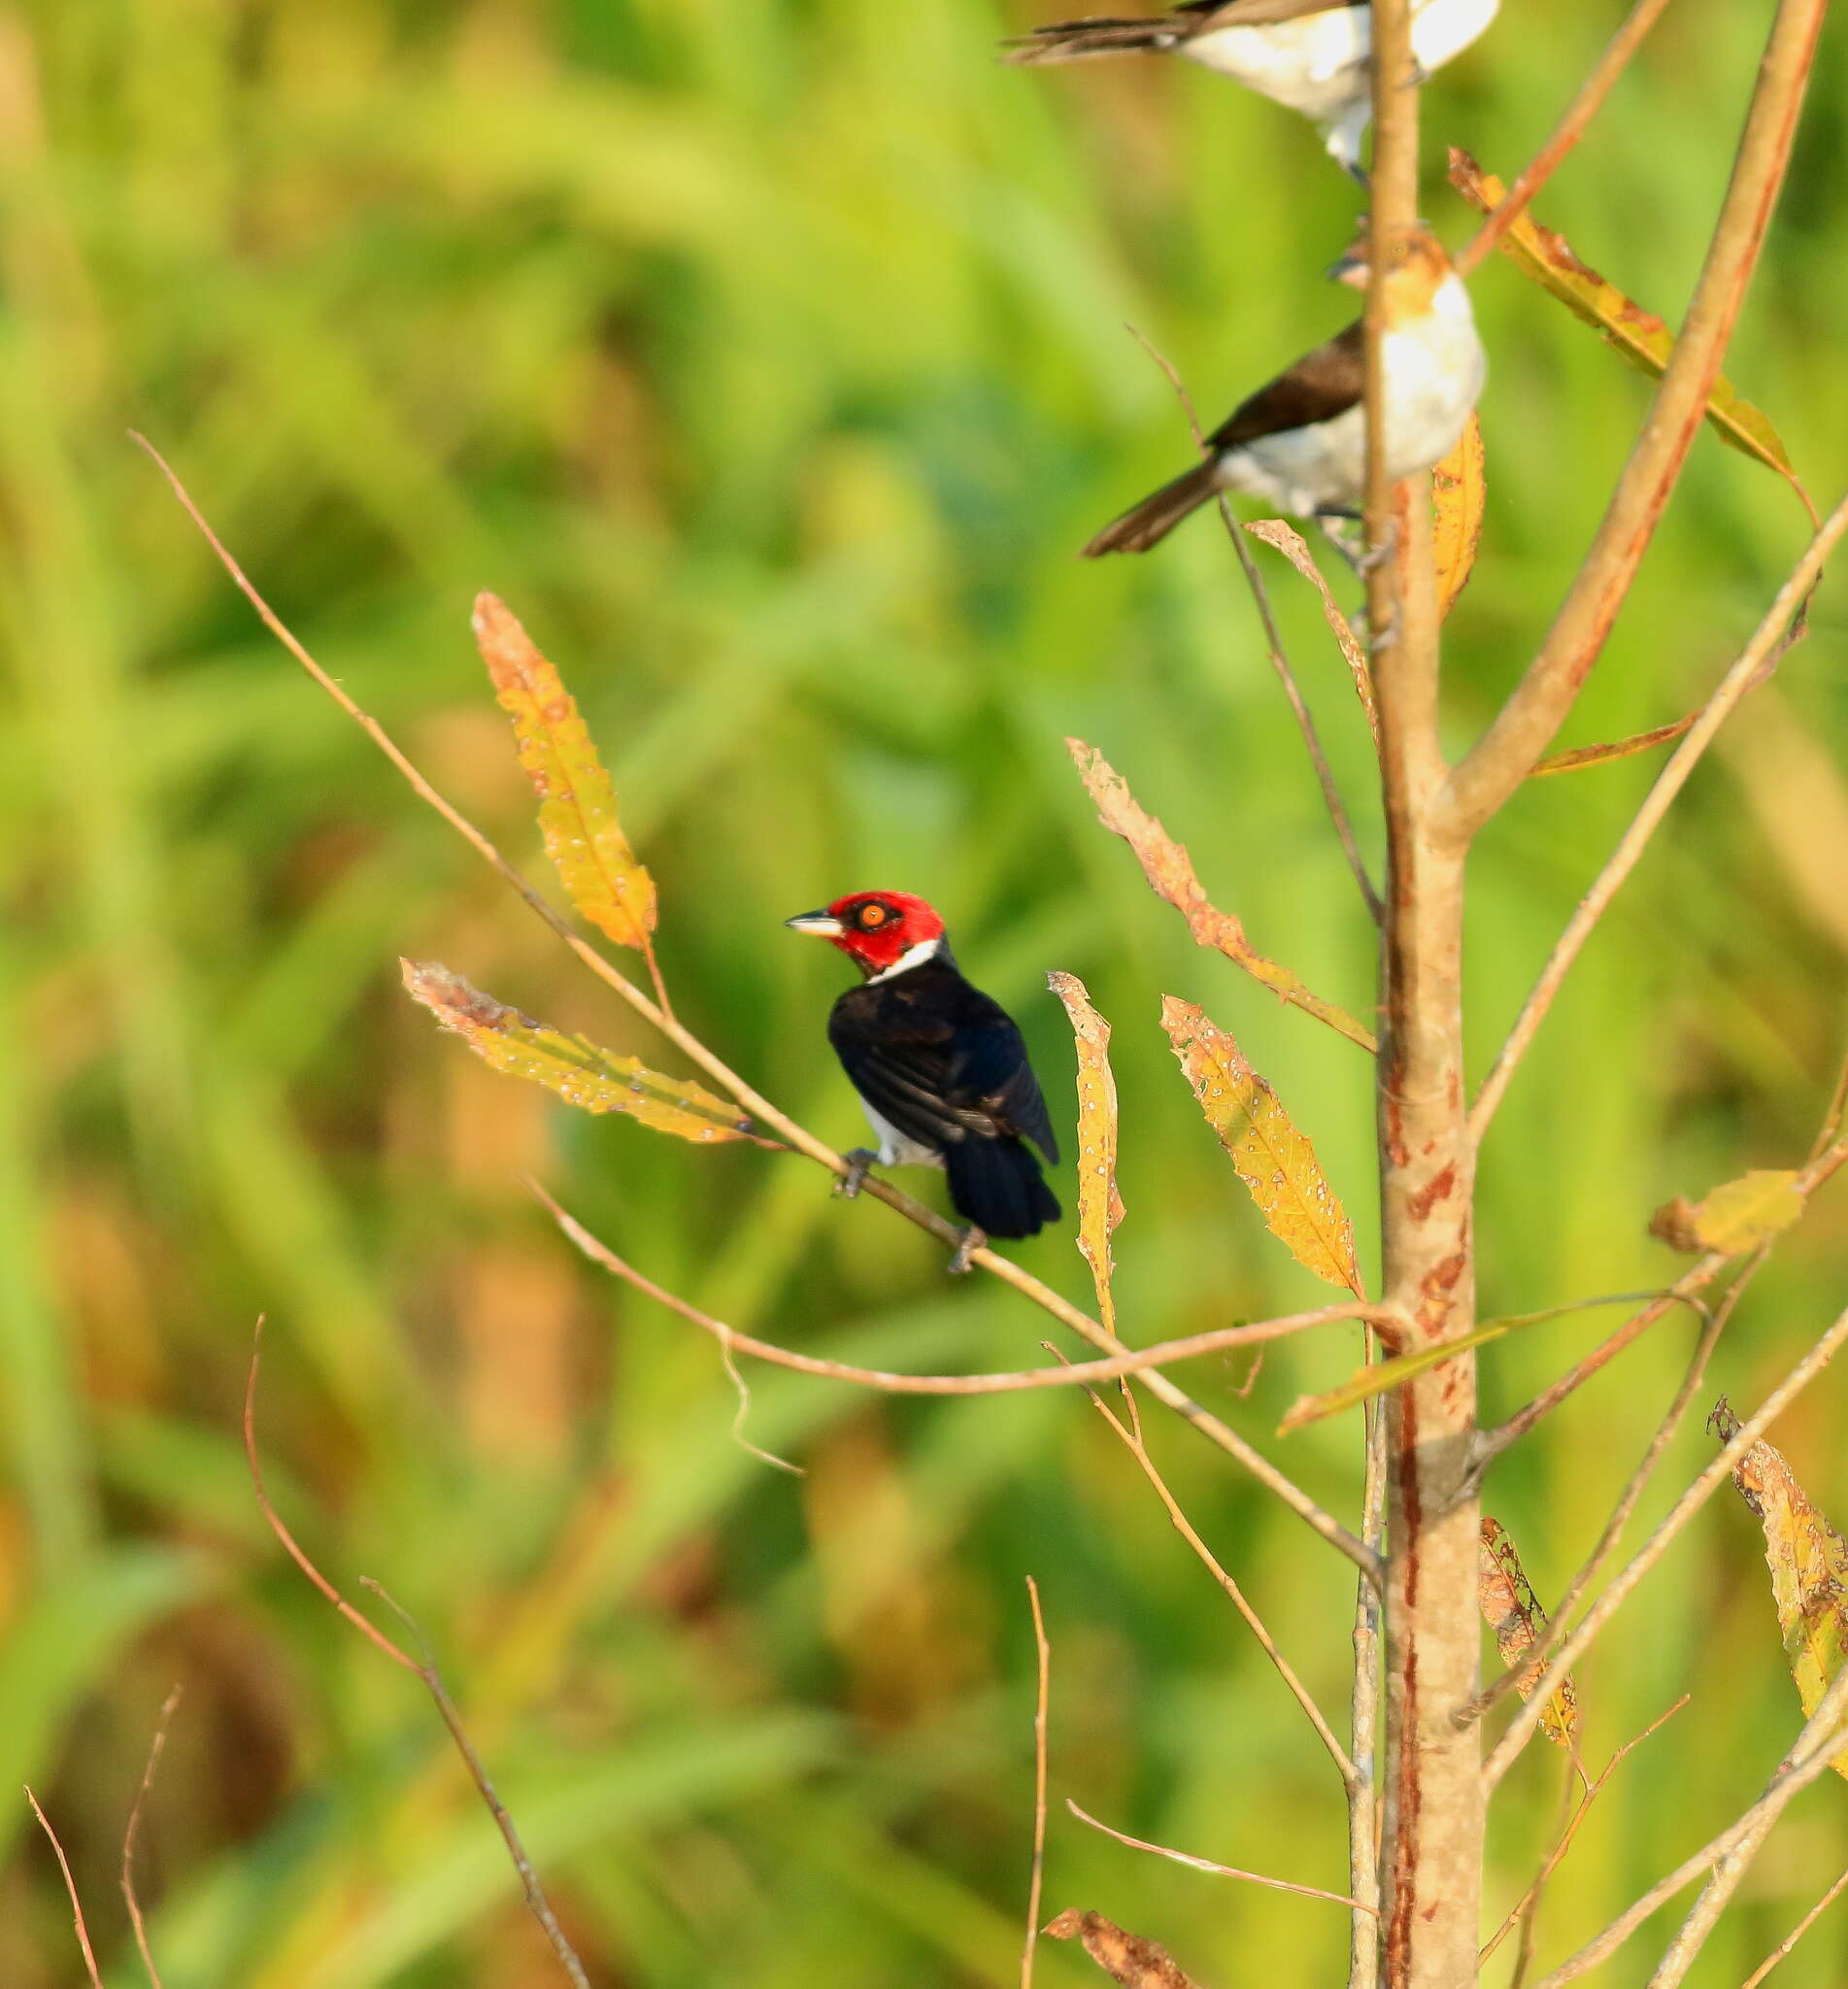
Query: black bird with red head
(940, 1069)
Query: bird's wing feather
(1257, 13)
(1320, 384)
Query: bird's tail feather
(1149, 522)
(1070, 41)
(996, 1185)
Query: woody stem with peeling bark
(1431, 1849)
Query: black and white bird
(1309, 56)
(940, 1069)
(1300, 442)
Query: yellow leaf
(583, 1075)
(1809, 1566)
(1099, 1205)
(1286, 539)
(1643, 339)
(577, 804)
(1273, 1158)
(1738, 1216)
(1459, 492)
(1513, 1612)
(1170, 870)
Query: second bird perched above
(1310, 56)
(1300, 442)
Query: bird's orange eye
(874, 916)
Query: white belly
(897, 1149)
(1443, 28)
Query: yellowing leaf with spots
(583, 1075)
(577, 803)
(1460, 494)
(1738, 1215)
(1099, 1205)
(1809, 1566)
(1273, 1158)
(1513, 1612)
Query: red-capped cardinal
(1300, 442)
(940, 1069)
(1310, 56)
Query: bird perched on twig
(1309, 56)
(1300, 442)
(940, 1069)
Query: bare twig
(1797, 1932)
(1566, 134)
(1364, 1842)
(69, 1887)
(1132, 1436)
(424, 1669)
(1211, 1427)
(743, 1391)
(1045, 1655)
(1772, 631)
(1651, 1550)
(1309, 1892)
(1726, 1855)
(1274, 647)
(135, 1919)
(1528, 1902)
(1507, 752)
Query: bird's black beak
(823, 924)
(1349, 269)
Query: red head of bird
(881, 931)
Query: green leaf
(577, 802)
(583, 1075)
(1275, 1160)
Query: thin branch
(135, 1919)
(1774, 633)
(1083, 1373)
(1566, 134)
(1309, 1892)
(1045, 1655)
(1659, 1543)
(1726, 1855)
(1274, 646)
(1797, 1932)
(1298, 1691)
(1520, 733)
(69, 1887)
(424, 1669)
(1529, 1901)
(1209, 1426)
(1363, 1709)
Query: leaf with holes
(1809, 1566)
(583, 1075)
(577, 803)
(1099, 1205)
(1513, 1612)
(1460, 494)
(1644, 340)
(1738, 1215)
(1275, 1160)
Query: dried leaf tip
(1739, 1215)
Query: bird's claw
(973, 1239)
(857, 1163)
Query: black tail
(1068, 41)
(996, 1185)
(1149, 522)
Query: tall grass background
(769, 359)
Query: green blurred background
(768, 357)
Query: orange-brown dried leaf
(577, 802)
(1460, 494)
(1129, 1958)
(1285, 538)
(1513, 1612)
(1275, 1160)
(1809, 1567)
(1546, 257)
(1738, 1215)
(593, 1080)
(1099, 1205)
(1170, 870)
